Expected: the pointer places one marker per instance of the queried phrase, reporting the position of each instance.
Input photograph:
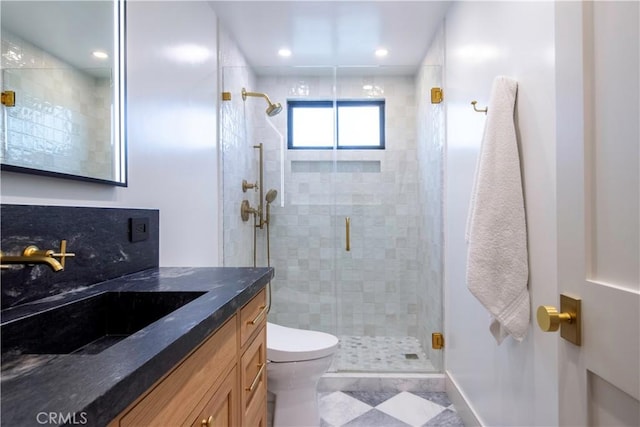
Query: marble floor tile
(371, 398)
(383, 409)
(375, 418)
(410, 408)
(338, 408)
(392, 409)
(446, 418)
(436, 397)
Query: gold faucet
(32, 255)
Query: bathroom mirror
(63, 65)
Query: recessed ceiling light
(99, 54)
(284, 52)
(381, 52)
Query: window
(360, 124)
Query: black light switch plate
(138, 229)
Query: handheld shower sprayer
(272, 109)
(270, 197)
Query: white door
(598, 214)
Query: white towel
(497, 261)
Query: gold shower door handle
(347, 223)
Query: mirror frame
(119, 120)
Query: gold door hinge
(9, 98)
(436, 95)
(437, 341)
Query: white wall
(172, 122)
(514, 383)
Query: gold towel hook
(476, 109)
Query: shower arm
(256, 94)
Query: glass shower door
(381, 280)
(383, 296)
(301, 229)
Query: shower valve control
(248, 185)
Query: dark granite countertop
(81, 389)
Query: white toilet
(296, 360)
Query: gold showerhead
(272, 109)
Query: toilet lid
(294, 345)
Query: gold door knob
(207, 422)
(568, 319)
(549, 319)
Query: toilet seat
(295, 345)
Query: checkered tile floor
(387, 409)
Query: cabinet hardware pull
(257, 378)
(259, 316)
(207, 422)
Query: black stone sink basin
(89, 325)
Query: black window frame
(295, 103)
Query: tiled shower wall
(370, 290)
(238, 157)
(59, 118)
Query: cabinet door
(221, 409)
(259, 418)
(253, 377)
(173, 399)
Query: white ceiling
(331, 33)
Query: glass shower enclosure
(355, 235)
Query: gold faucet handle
(33, 251)
(63, 254)
(249, 185)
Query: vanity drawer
(253, 377)
(174, 398)
(253, 316)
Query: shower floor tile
(380, 354)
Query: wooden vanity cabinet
(223, 382)
(253, 362)
(221, 407)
